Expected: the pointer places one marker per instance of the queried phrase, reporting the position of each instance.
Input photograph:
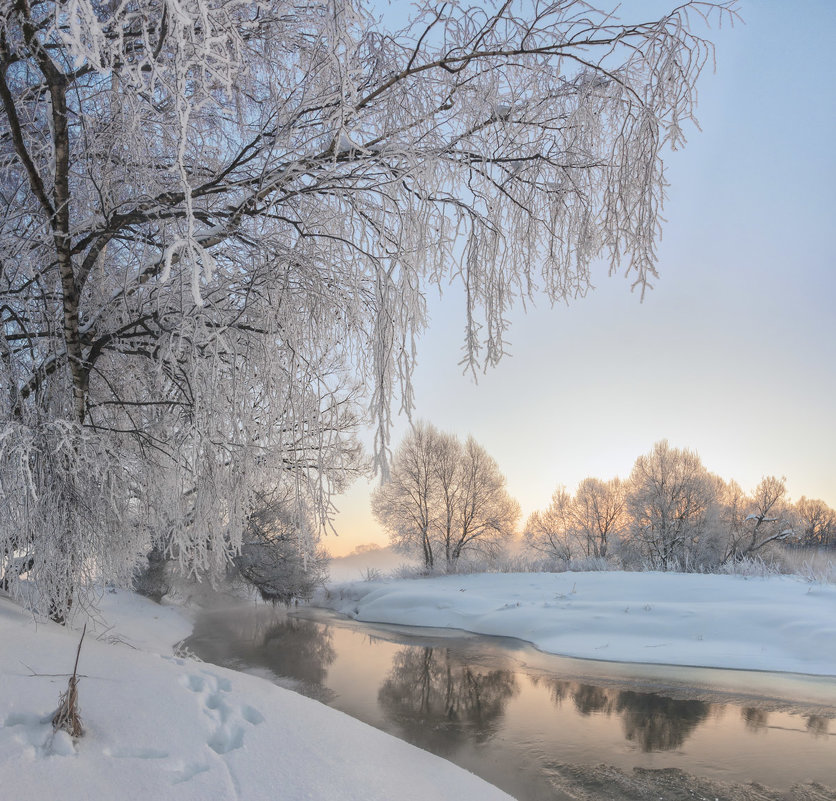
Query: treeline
(446, 500)
(671, 513)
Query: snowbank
(774, 623)
(162, 727)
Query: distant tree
(724, 524)
(485, 514)
(550, 531)
(816, 523)
(406, 504)
(670, 497)
(585, 524)
(767, 518)
(449, 489)
(732, 510)
(673, 514)
(444, 499)
(365, 547)
(598, 509)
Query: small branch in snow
(34, 673)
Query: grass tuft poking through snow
(67, 717)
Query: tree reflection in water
(655, 722)
(818, 726)
(300, 649)
(470, 701)
(439, 701)
(755, 718)
(289, 647)
(590, 699)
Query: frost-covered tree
(219, 218)
(445, 499)
(764, 518)
(549, 531)
(279, 555)
(816, 522)
(671, 501)
(484, 514)
(585, 524)
(731, 511)
(598, 510)
(406, 505)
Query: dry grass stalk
(66, 716)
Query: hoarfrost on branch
(220, 218)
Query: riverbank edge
(774, 624)
(163, 726)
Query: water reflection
(755, 718)
(818, 726)
(511, 715)
(590, 699)
(287, 646)
(300, 649)
(652, 721)
(438, 700)
(657, 723)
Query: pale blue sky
(733, 354)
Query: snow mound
(776, 623)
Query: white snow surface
(162, 727)
(775, 623)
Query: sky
(733, 352)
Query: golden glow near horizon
(732, 353)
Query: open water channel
(524, 720)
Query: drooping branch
(221, 226)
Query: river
(530, 722)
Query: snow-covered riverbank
(776, 623)
(162, 727)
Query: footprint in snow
(188, 772)
(35, 734)
(230, 720)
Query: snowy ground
(162, 727)
(776, 623)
